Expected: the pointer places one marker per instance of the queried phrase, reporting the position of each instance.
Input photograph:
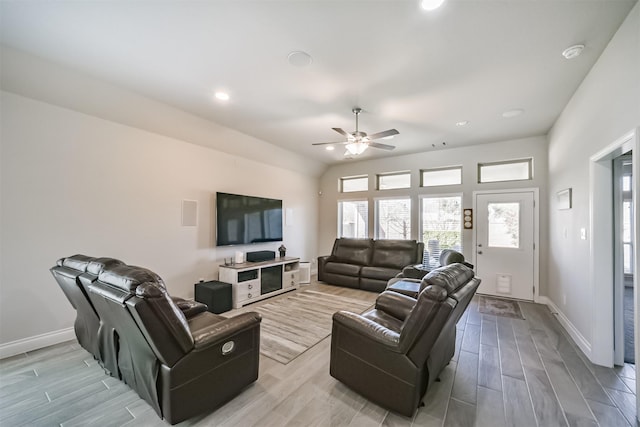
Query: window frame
(528, 160)
(376, 215)
(422, 171)
(339, 216)
(422, 197)
(397, 173)
(348, 178)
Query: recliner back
(353, 251)
(396, 253)
(67, 272)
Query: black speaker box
(258, 256)
(217, 295)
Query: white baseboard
(575, 334)
(33, 343)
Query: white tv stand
(248, 279)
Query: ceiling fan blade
(383, 134)
(341, 132)
(330, 143)
(383, 146)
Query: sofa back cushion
(353, 251)
(394, 253)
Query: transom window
(441, 226)
(353, 218)
(350, 184)
(511, 170)
(393, 218)
(441, 176)
(393, 180)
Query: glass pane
(626, 183)
(389, 182)
(626, 221)
(355, 184)
(394, 219)
(515, 171)
(504, 225)
(433, 178)
(353, 217)
(626, 258)
(441, 227)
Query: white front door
(505, 244)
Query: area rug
(499, 307)
(296, 322)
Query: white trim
(575, 334)
(601, 244)
(33, 343)
(536, 231)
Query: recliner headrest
(449, 256)
(99, 264)
(127, 277)
(449, 277)
(76, 262)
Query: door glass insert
(503, 229)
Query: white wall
(603, 109)
(75, 183)
(467, 157)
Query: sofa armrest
(189, 307)
(215, 332)
(322, 261)
(368, 328)
(395, 304)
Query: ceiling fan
(357, 142)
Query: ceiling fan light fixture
(330, 148)
(356, 148)
(430, 5)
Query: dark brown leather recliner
(74, 274)
(392, 353)
(180, 366)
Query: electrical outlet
(583, 233)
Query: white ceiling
(408, 69)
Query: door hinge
(534, 203)
(533, 289)
(534, 246)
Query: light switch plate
(583, 233)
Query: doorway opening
(623, 255)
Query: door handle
(479, 245)
(479, 252)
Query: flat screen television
(242, 220)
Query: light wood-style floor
(505, 372)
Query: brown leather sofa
(366, 263)
(392, 353)
(179, 359)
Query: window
(353, 219)
(393, 218)
(354, 183)
(390, 181)
(441, 223)
(513, 170)
(504, 225)
(441, 176)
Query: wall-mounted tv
(242, 220)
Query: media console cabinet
(255, 281)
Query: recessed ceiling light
(431, 4)
(512, 113)
(573, 51)
(298, 58)
(330, 148)
(222, 96)
(462, 123)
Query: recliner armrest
(214, 332)
(395, 304)
(368, 328)
(189, 307)
(322, 261)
